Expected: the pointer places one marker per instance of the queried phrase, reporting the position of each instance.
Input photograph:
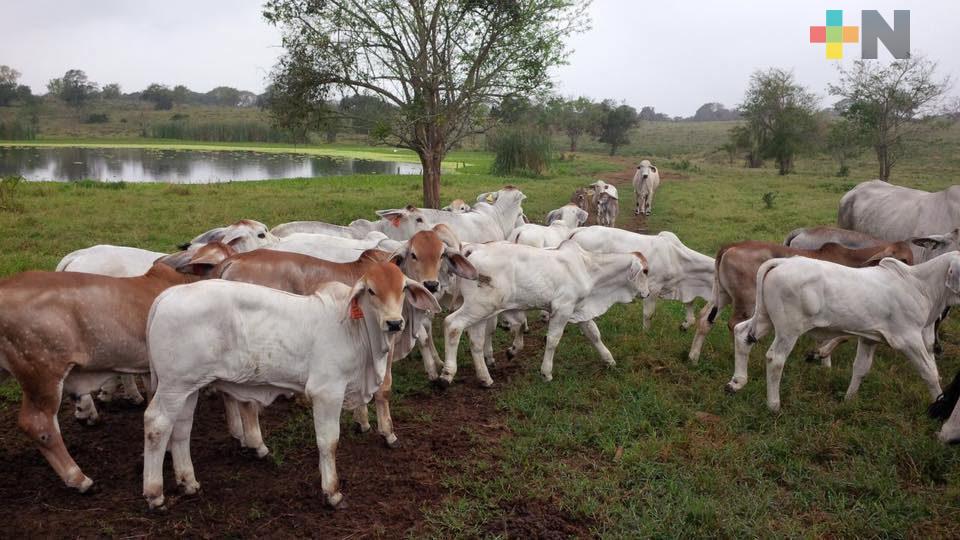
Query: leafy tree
(650, 114)
(575, 117)
(747, 140)
(74, 88)
(844, 142)
(615, 124)
(110, 91)
(779, 115)
(712, 112)
(367, 114)
(181, 94)
(439, 62)
(160, 95)
(225, 96)
(9, 89)
(892, 105)
(297, 101)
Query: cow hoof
(104, 397)
(489, 361)
(87, 487)
(683, 327)
(358, 428)
(731, 388)
(391, 441)
(812, 356)
(774, 407)
(547, 377)
(89, 421)
(336, 501)
(511, 353)
(486, 384)
(189, 488)
(443, 382)
(156, 505)
(263, 451)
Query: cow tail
(790, 237)
(760, 310)
(65, 262)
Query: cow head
(457, 206)
(199, 259)
(424, 256)
(579, 198)
(380, 293)
(509, 196)
(640, 274)
(645, 169)
(900, 251)
(945, 408)
(403, 223)
(938, 244)
(244, 235)
(570, 215)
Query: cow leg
(861, 366)
(689, 318)
(555, 328)
(636, 199)
(86, 410)
(925, 364)
(326, 424)
(648, 207)
(180, 447)
(382, 400)
(649, 306)
(80, 386)
(516, 320)
(708, 316)
(453, 327)
(130, 390)
(428, 351)
(158, 422)
(361, 419)
(489, 328)
(742, 345)
(590, 330)
(252, 436)
(38, 420)
(478, 337)
(937, 344)
(108, 390)
(825, 351)
(776, 359)
(231, 409)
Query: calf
(645, 183)
(332, 345)
(572, 284)
(608, 207)
(67, 331)
(893, 303)
(736, 272)
(458, 206)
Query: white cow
(645, 183)
(572, 284)
(398, 224)
(945, 408)
(676, 271)
(254, 343)
(334, 248)
(560, 223)
(892, 303)
(486, 222)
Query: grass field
(653, 447)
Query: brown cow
(69, 331)
(421, 259)
(735, 280)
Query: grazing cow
(332, 345)
(458, 206)
(736, 277)
(572, 284)
(945, 409)
(892, 303)
(814, 237)
(244, 235)
(487, 222)
(425, 258)
(645, 183)
(678, 272)
(894, 213)
(70, 332)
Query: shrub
(768, 198)
(95, 118)
(8, 194)
(17, 130)
(217, 132)
(521, 152)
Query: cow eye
(419, 220)
(413, 256)
(646, 270)
(371, 292)
(262, 235)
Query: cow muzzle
(644, 176)
(432, 286)
(394, 325)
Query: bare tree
(891, 105)
(440, 62)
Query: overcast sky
(674, 55)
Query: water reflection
(180, 166)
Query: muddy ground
(387, 491)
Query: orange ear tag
(395, 221)
(356, 312)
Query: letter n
(896, 39)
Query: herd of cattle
(323, 310)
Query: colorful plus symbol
(834, 34)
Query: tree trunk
(430, 162)
(613, 149)
(331, 136)
(883, 157)
(573, 143)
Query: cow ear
(953, 277)
(933, 241)
(397, 257)
(352, 309)
(552, 216)
(653, 169)
(460, 265)
(878, 256)
(582, 216)
(446, 235)
(420, 297)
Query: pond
(65, 164)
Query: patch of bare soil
(387, 491)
